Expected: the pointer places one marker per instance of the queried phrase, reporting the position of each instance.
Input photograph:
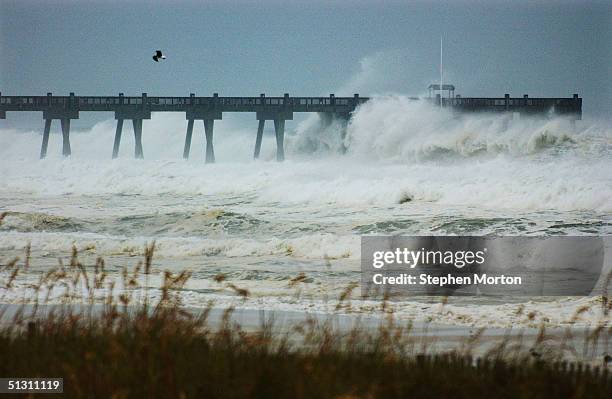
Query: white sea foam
(314, 246)
(397, 148)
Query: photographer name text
(449, 279)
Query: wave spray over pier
(276, 109)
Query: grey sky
(307, 48)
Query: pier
(278, 110)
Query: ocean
(403, 167)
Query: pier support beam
(117, 138)
(137, 113)
(260, 130)
(208, 114)
(279, 117)
(138, 153)
(64, 110)
(188, 139)
(66, 137)
(45, 141)
(208, 130)
(279, 129)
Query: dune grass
(119, 343)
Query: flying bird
(158, 55)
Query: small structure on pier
(436, 90)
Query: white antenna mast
(441, 72)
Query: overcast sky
(542, 48)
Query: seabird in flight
(158, 54)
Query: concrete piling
(65, 137)
(138, 153)
(279, 129)
(45, 142)
(188, 139)
(260, 130)
(208, 130)
(117, 142)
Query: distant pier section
(275, 109)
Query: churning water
(402, 167)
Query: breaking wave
(396, 128)
(396, 151)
